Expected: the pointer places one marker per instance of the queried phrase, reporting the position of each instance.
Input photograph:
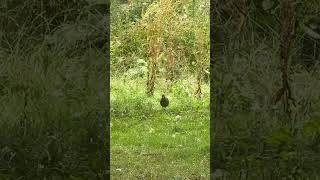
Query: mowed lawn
(148, 142)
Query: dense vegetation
(267, 123)
(159, 47)
(52, 89)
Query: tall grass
(52, 92)
(253, 138)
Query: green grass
(148, 142)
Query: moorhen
(164, 102)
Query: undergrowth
(52, 91)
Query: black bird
(164, 102)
